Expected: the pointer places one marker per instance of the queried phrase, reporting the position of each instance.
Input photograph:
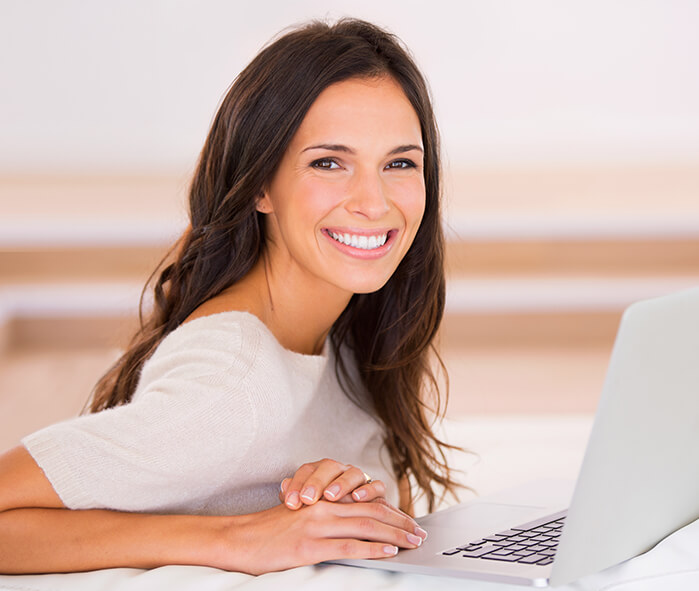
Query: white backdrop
(130, 86)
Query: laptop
(638, 483)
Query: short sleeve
(190, 422)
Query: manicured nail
(332, 492)
(308, 494)
(284, 484)
(390, 550)
(292, 500)
(358, 495)
(414, 540)
(421, 532)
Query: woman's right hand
(281, 538)
(330, 480)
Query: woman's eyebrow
(330, 148)
(343, 148)
(406, 148)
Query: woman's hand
(329, 480)
(281, 538)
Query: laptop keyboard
(534, 542)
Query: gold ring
(368, 478)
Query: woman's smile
(363, 244)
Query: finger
(368, 492)
(372, 530)
(283, 487)
(336, 549)
(345, 483)
(326, 472)
(383, 512)
(292, 496)
(383, 501)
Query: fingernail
(421, 532)
(414, 540)
(390, 550)
(358, 495)
(308, 494)
(284, 483)
(292, 500)
(332, 491)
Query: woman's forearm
(60, 540)
(34, 540)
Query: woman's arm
(37, 534)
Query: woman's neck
(298, 312)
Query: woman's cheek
(321, 198)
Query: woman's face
(349, 193)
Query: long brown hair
(389, 332)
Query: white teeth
(361, 241)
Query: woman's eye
(325, 163)
(402, 163)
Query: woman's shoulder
(228, 343)
(227, 329)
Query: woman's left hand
(331, 481)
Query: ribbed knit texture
(221, 415)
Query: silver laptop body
(639, 480)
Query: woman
(294, 322)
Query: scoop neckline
(253, 319)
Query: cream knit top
(221, 415)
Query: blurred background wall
(571, 144)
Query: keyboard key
(451, 552)
(509, 532)
(528, 543)
(507, 558)
(529, 534)
(537, 548)
(494, 538)
(523, 553)
(502, 552)
(479, 552)
(534, 559)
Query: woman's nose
(367, 196)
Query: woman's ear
(263, 203)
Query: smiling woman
(289, 352)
